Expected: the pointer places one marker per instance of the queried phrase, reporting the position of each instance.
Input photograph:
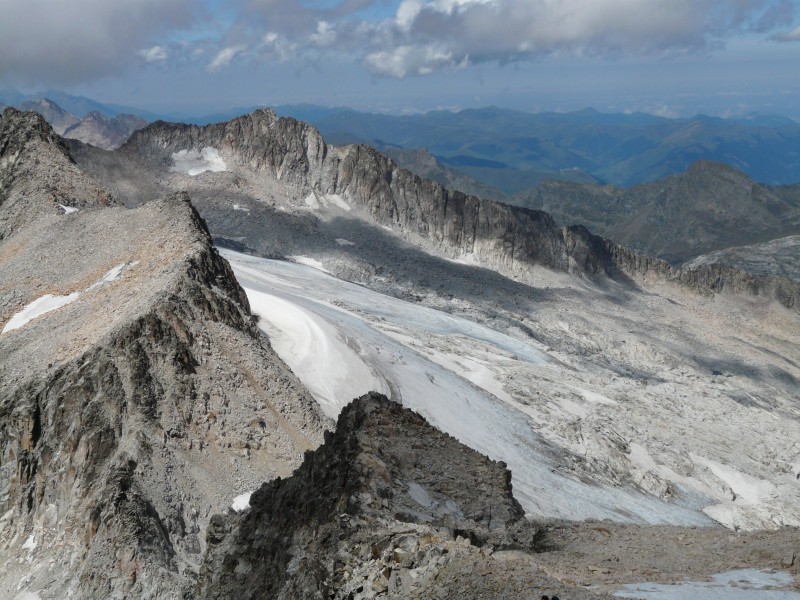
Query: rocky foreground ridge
(140, 403)
(507, 238)
(389, 507)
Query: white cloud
(411, 60)
(224, 58)
(427, 35)
(325, 35)
(82, 40)
(154, 55)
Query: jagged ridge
(508, 238)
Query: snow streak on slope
(341, 339)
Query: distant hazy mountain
(513, 150)
(59, 119)
(94, 128)
(422, 163)
(104, 132)
(709, 207)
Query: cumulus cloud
(81, 40)
(84, 39)
(224, 57)
(155, 54)
(426, 35)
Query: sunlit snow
(113, 274)
(68, 210)
(241, 502)
(342, 339)
(193, 162)
(49, 302)
(37, 308)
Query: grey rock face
(37, 174)
(132, 412)
(388, 507)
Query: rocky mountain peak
(37, 174)
(346, 521)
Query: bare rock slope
(136, 394)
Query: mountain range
(185, 317)
(707, 208)
(514, 150)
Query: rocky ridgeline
(388, 507)
(131, 413)
(37, 173)
(510, 239)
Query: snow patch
(344, 242)
(749, 492)
(193, 162)
(37, 308)
(315, 201)
(30, 543)
(745, 584)
(241, 208)
(68, 210)
(241, 502)
(113, 274)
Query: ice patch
(309, 262)
(193, 162)
(745, 584)
(330, 368)
(241, 502)
(344, 242)
(37, 308)
(68, 210)
(419, 494)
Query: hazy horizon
(677, 59)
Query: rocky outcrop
(712, 278)
(143, 403)
(388, 507)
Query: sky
(194, 57)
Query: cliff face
(136, 394)
(507, 238)
(295, 154)
(387, 507)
